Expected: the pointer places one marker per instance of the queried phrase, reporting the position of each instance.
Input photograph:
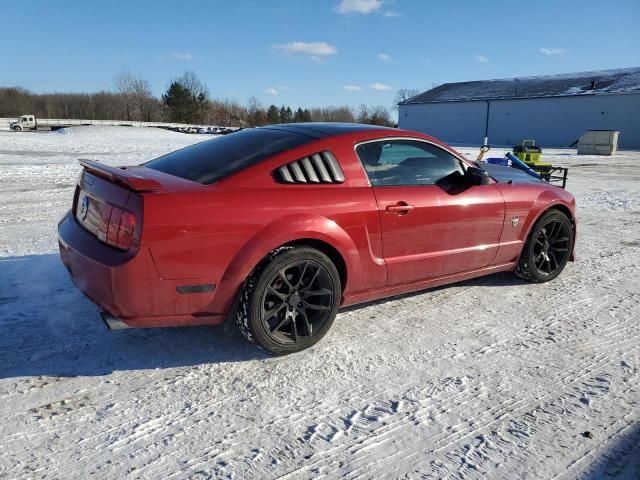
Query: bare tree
(144, 101)
(364, 114)
(404, 94)
(333, 114)
(256, 114)
(135, 93)
(15, 101)
(235, 112)
(125, 85)
(380, 116)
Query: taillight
(113, 226)
(127, 226)
(105, 214)
(116, 227)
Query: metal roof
(566, 84)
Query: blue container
(504, 161)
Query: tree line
(186, 100)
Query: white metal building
(554, 110)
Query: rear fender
(280, 232)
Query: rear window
(212, 160)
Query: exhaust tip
(112, 322)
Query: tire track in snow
(587, 366)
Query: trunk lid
(137, 178)
(107, 204)
(108, 200)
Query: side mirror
(477, 176)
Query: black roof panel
(326, 129)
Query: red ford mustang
(279, 226)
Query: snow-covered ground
(492, 377)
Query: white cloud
(392, 13)
(314, 49)
(181, 56)
(353, 88)
(380, 86)
(384, 57)
(481, 59)
(271, 91)
(358, 6)
(553, 51)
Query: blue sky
(310, 53)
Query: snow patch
(489, 378)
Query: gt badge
(514, 221)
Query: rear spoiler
(126, 177)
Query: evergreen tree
(288, 115)
(306, 115)
(283, 115)
(273, 114)
(187, 99)
(178, 101)
(298, 116)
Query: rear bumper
(128, 286)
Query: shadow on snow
(618, 458)
(47, 327)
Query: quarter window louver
(321, 167)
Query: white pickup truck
(29, 122)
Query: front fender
(282, 231)
(548, 199)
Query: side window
(408, 162)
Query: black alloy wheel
(290, 302)
(297, 301)
(548, 248)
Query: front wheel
(547, 250)
(290, 301)
(17, 128)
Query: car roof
(327, 129)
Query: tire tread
(247, 291)
(523, 268)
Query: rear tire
(547, 250)
(290, 300)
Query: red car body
(191, 246)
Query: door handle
(401, 208)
